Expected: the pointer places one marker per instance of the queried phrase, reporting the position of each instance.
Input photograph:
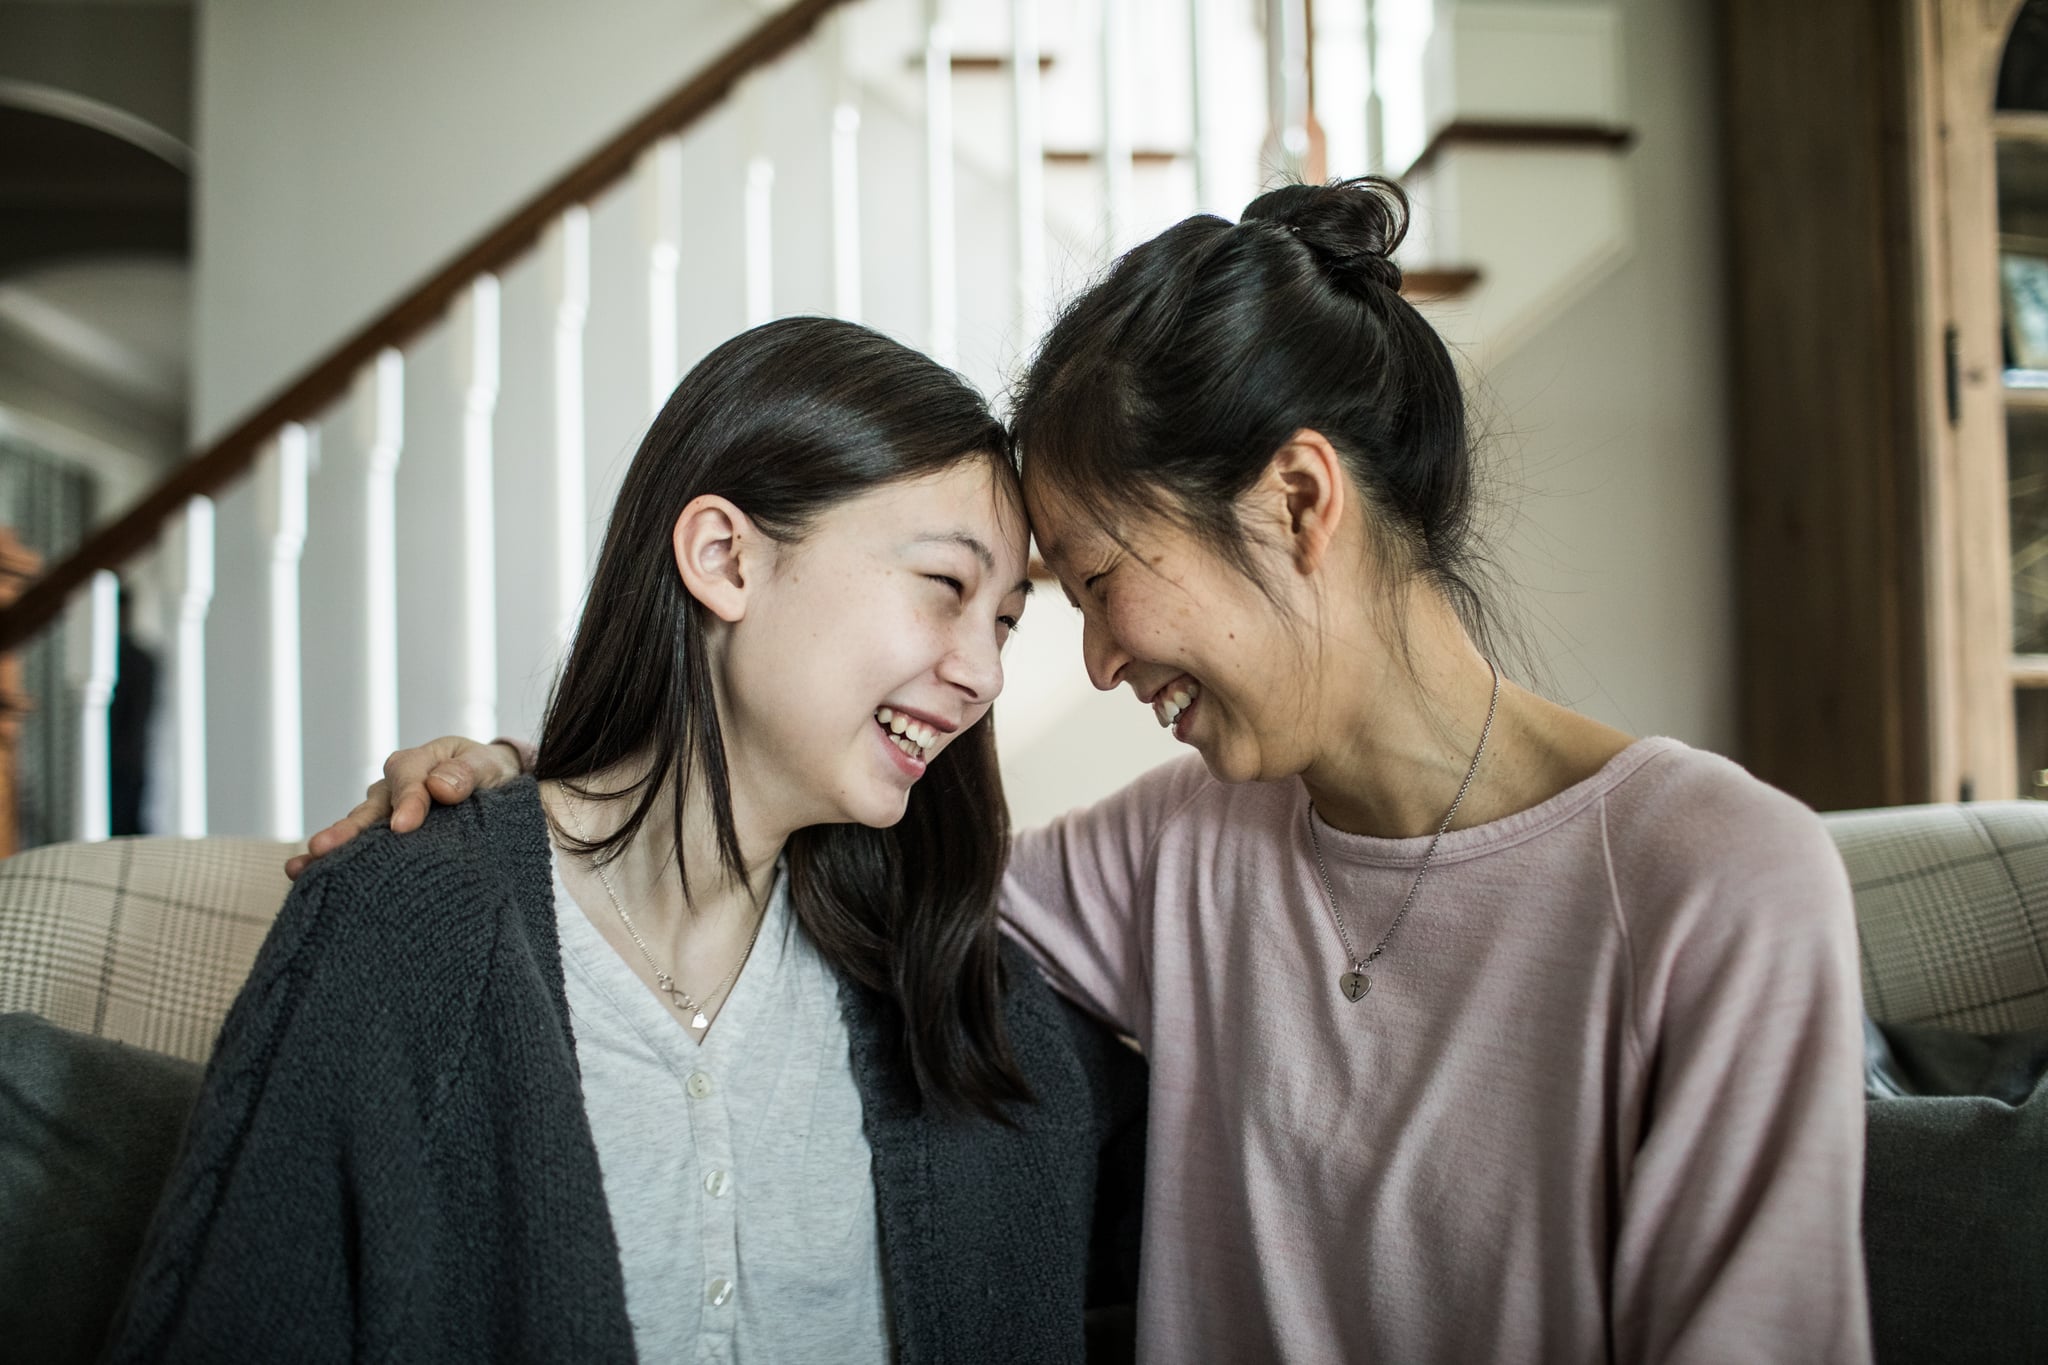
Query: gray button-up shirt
(737, 1173)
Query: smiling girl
(704, 1045)
(1478, 1030)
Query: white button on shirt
(736, 1171)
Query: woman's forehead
(1064, 524)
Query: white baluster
(1028, 130)
(475, 330)
(941, 229)
(1343, 83)
(846, 210)
(1287, 110)
(845, 164)
(568, 276)
(188, 583)
(1206, 180)
(92, 635)
(281, 515)
(1375, 108)
(1116, 125)
(380, 409)
(661, 189)
(760, 240)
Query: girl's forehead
(970, 503)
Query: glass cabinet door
(2021, 127)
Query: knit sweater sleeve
(283, 1210)
(1739, 1230)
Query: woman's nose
(1104, 658)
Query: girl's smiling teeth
(1168, 705)
(910, 736)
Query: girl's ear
(719, 554)
(1305, 487)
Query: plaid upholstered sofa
(146, 941)
(143, 943)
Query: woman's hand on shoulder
(449, 770)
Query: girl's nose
(975, 666)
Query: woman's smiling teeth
(908, 735)
(1168, 705)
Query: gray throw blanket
(389, 1159)
(1955, 1209)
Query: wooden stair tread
(1501, 133)
(977, 61)
(1141, 156)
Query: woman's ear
(1305, 485)
(719, 554)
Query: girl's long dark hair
(787, 421)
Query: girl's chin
(884, 817)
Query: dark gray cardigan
(390, 1161)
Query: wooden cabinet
(1890, 485)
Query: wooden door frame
(1867, 409)
(1960, 45)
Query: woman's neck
(1403, 720)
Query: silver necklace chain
(663, 981)
(1355, 983)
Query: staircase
(394, 545)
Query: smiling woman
(705, 1042)
(1478, 1031)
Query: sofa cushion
(89, 1129)
(1955, 1196)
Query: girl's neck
(645, 872)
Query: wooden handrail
(328, 379)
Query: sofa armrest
(1952, 912)
(143, 940)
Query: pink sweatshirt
(1603, 1102)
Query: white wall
(349, 148)
(1612, 426)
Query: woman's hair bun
(1351, 226)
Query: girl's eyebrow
(972, 543)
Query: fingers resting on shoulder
(448, 770)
